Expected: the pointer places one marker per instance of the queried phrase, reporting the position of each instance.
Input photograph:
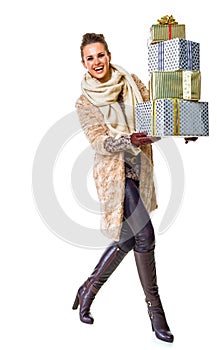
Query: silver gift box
(172, 117)
(175, 54)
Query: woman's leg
(107, 264)
(109, 261)
(140, 223)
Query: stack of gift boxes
(175, 83)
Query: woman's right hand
(140, 139)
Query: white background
(40, 273)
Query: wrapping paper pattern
(172, 117)
(175, 84)
(160, 32)
(175, 54)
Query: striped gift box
(176, 84)
(160, 32)
(172, 117)
(175, 54)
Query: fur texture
(108, 172)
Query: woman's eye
(101, 55)
(89, 58)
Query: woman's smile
(97, 61)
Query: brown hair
(90, 38)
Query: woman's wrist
(122, 143)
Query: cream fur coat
(109, 172)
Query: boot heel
(76, 303)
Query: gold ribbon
(154, 127)
(176, 117)
(165, 20)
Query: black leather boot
(147, 273)
(109, 261)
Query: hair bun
(90, 38)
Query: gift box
(175, 54)
(172, 117)
(166, 29)
(176, 84)
(164, 32)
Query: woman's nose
(96, 60)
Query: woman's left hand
(141, 139)
(187, 139)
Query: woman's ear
(84, 64)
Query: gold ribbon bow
(165, 20)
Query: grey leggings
(137, 230)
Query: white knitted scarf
(120, 120)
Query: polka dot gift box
(173, 55)
(172, 117)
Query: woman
(123, 173)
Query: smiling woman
(123, 173)
(96, 58)
(97, 61)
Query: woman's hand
(140, 139)
(187, 139)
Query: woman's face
(97, 61)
